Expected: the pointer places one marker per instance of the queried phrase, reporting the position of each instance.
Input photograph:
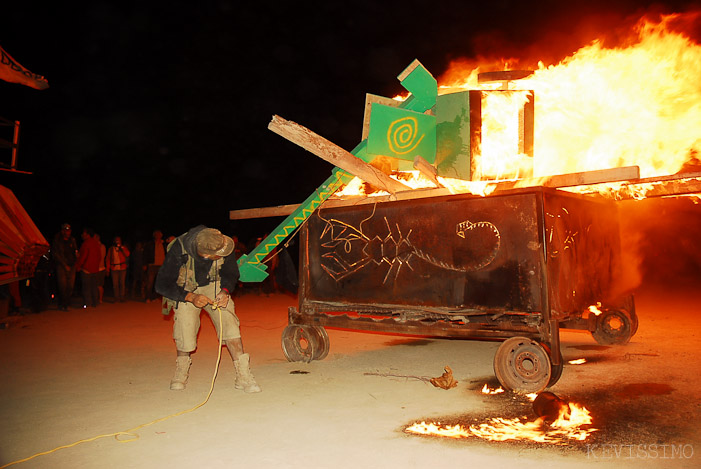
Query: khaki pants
(186, 322)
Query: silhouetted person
(116, 264)
(102, 270)
(64, 251)
(89, 266)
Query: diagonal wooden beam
(334, 154)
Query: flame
(636, 104)
(568, 426)
(499, 156)
(578, 361)
(607, 107)
(487, 390)
(594, 309)
(416, 180)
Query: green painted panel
(455, 133)
(401, 134)
(422, 86)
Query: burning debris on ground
(624, 415)
(541, 418)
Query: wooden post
(427, 169)
(263, 212)
(334, 154)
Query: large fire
(637, 104)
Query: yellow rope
(135, 436)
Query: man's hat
(213, 243)
(65, 226)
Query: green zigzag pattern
(294, 220)
(418, 83)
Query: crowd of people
(80, 270)
(83, 269)
(132, 271)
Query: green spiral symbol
(402, 135)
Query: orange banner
(12, 71)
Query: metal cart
(515, 266)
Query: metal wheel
(555, 370)
(614, 327)
(299, 343)
(321, 342)
(522, 365)
(629, 306)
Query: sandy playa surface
(74, 375)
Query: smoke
(659, 241)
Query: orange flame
(487, 390)
(611, 107)
(568, 426)
(578, 361)
(594, 309)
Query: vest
(186, 276)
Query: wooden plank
(626, 173)
(427, 169)
(263, 212)
(649, 188)
(334, 154)
(661, 186)
(673, 187)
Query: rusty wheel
(614, 327)
(321, 342)
(522, 365)
(299, 343)
(555, 370)
(629, 306)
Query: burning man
(198, 273)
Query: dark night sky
(157, 112)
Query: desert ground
(75, 375)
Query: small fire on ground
(487, 390)
(572, 423)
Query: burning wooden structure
(515, 260)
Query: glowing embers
(559, 423)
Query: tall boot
(182, 371)
(244, 377)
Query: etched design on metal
(347, 249)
